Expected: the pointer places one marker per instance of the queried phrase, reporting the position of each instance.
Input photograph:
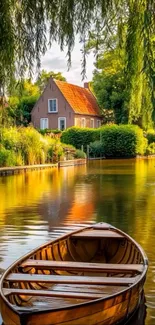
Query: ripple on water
(117, 192)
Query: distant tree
(108, 78)
(23, 96)
(44, 76)
(23, 88)
(120, 83)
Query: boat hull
(103, 312)
(72, 258)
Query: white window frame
(59, 119)
(49, 111)
(44, 118)
(92, 120)
(83, 120)
(75, 121)
(98, 123)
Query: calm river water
(121, 192)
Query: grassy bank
(26, 146)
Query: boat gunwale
(21, 259)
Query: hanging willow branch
(28, 26)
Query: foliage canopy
(24, 26)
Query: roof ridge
(80, 99)
(68, 83)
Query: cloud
(56, 60)
(51, 62)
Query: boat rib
(91, 273)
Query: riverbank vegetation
(26, 146)
(110, 141)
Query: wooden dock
(18, 169)
(74, 162)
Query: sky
(55, 60)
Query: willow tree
(140, 62)
(26, 27)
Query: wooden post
(87, 151)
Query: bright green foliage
(110, 92)
(20, 111)
(26, 146)
(151, 149)
(123, 141)
(49, 131)
(80, 136)
(23, 96)
(44, 77)
(139, 81)
(7, 157)
(24, 27)
(150, 136)
(124, 80)
(79, 154)
(23, 88)
(108, 80)
(96, 149)
(111, 141)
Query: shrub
(7, 157)
(26, 146)
(10, 138)
(80, 136)
(150, 137)
(79, 154)
(48, 131)
(3, 156)
(123, 141)
(96, 149)
(151, 149)
(32, 146)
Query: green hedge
(80, 136)
(48, 131)
(96, 149)
(115, 140)
(123, 141)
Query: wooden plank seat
(52, 293)
(80, 266)
(97, 233)
(65, 279)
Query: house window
(83, 122)
(62, 123)
(75, 121)
(52, 105)
(44, 123)
(98, 123)
(92, 123)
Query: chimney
(86, 85)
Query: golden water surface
(121, 192)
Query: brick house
(63, 105)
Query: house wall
(40, 109)
(78, 120)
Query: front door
(62, 123)
(44, 123)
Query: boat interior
(86, 264)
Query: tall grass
(26, 146)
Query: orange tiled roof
(80, 99)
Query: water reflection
(118, 192)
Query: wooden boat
(92, 275)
